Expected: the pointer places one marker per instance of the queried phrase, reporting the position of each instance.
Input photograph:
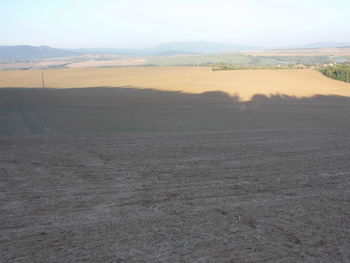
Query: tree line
(224, 66)
(338, 72)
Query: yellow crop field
(244, 83)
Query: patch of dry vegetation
(108, 63)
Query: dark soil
(124, 175)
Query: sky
(144, 23)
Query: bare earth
(244, 83)
(129, 175)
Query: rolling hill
(24, 52)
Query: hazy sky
(143, 23)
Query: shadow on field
(105, 110)
(129, 175)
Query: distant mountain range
(173, 48)
(32, 52)
(200, 47)
(25, 52)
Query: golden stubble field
(244, 83)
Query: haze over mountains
(27, 52)
(24, 52)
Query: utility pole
(42, 80)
